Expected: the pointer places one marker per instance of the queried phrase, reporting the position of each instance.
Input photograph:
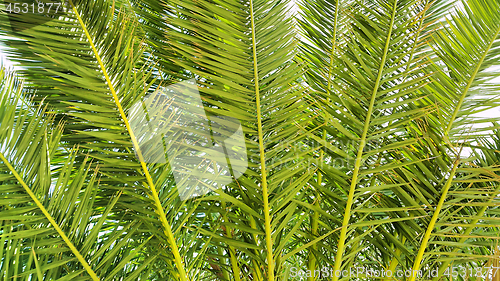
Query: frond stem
(430, 227)
(471, 80)
(54, 224)
(357, 165)
(467, 232)
(159, 208)
(265, 195)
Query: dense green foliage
(361, 119)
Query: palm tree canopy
(249, 140)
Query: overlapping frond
(242, 59)
(229, 140)
(466, 49)
(374, 94)
(50, 225)
(90, 70)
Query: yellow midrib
(267, 217)
(54, 224)
(430, 227)
(394, 262)
(357, 166)
(159, 208)
(471, 80)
